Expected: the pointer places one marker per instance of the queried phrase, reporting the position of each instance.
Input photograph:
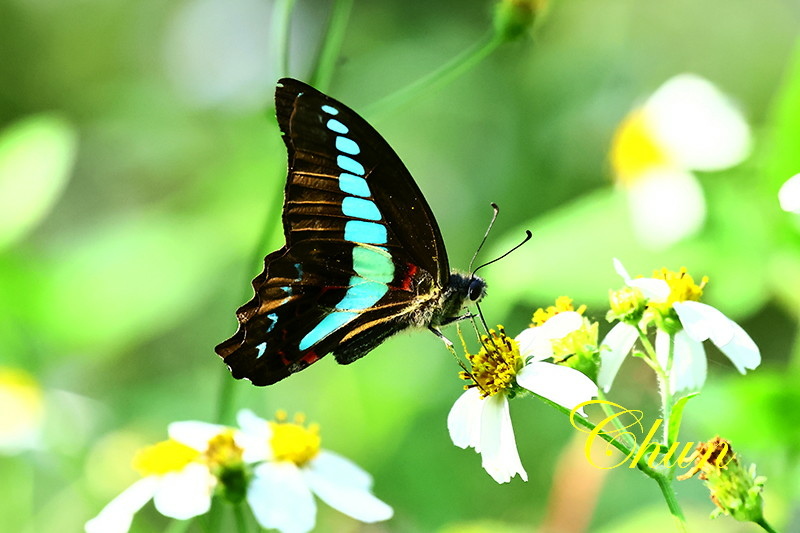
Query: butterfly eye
(477, 289)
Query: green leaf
(677, 415)
(36, 157)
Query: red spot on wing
(405, 283)
(310, 357)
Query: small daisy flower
(292, 467)
(180, 475)
(686, 125)
(673, 306)
(480, 418)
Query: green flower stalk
(514, 18)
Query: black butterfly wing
(363, 252)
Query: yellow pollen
(682, 287)
(495, 366)
(581, 341)
(223, 451)
(294, 442)
(563, 303)
(164, 457)
(625, 301)
(634, 149)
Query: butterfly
(363, 259)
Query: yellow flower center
(634, 149)
(581, 342)
(164, 457)
(563, 303)
(223, 451)
(682, 288)
(295, 441)
(495, 366)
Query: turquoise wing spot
(354, 185)
(348, 146)
(336, 126)
(326, 326)
(261, 349)
(330, 110)
(366, 232)
(362, 294)
(360, 208)
(373, 264)
(348, 164)
(274, 318)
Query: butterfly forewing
(362, 252)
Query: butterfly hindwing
(363, 254)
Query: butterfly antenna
(485, 235)
(528, 236)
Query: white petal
(499, 455)
(116, 517)
(252, 423)
(703, 322)
(280, 498)
(333, 466)
(699, 125)
(345, 487)
(619, 342)
(620, 269)
(741, 349)
(186, 493)
(560, 384)
(689, 365)
(537, 341)
(194, 434)
(653, 289)
(464, 420)
(254, 438)
(666, 205)
(789, 195)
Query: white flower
(700, 322)
(178, 478)
(480, 418)
(686, 125)
(292, 468)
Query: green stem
(663, 378)
(443, 75)
(765, 525)
(281, 22)
(332, 44)
(225, 398)
(239, 517)
(666, 393)
(664, 481)
(665, 484)
(629, 440)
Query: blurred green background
(140, 161)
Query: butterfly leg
(452, 350)
(439, 334)
(468, 316)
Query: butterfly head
(476, 289)
(469, 288)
